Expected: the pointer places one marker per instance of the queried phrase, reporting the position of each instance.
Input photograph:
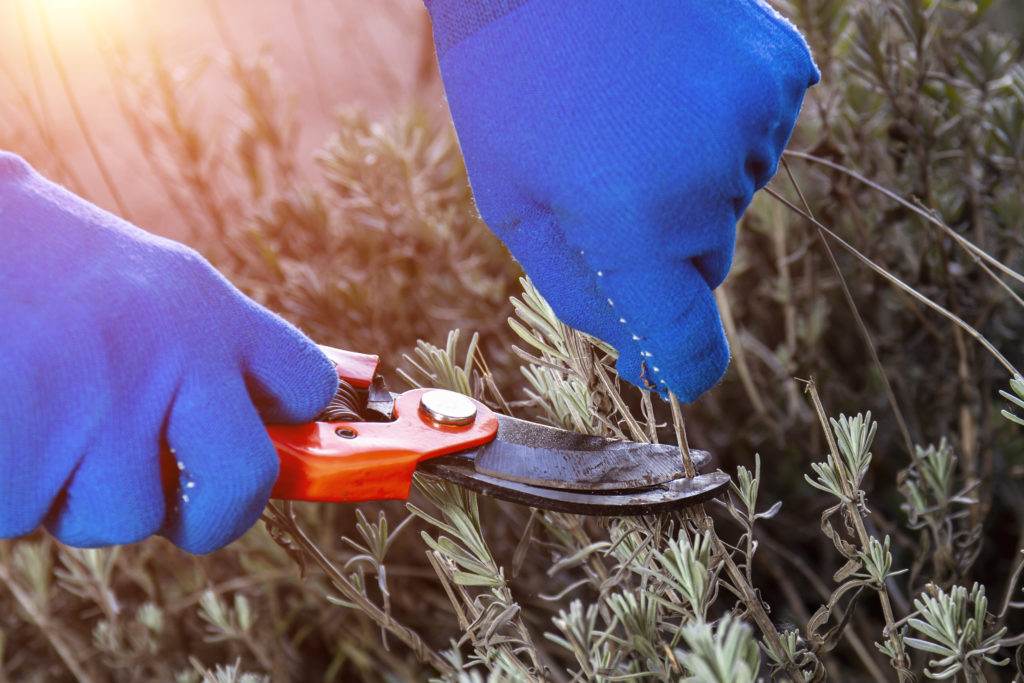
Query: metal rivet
(447, 408)
(610, 302)
(345, 432)
(622, 320)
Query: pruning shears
(369, 442)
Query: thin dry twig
(972, 248)
(978, 336)
(861, 326)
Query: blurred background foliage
(376, 245)
(388, 251)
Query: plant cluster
(882, 267)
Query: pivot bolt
(447, 408)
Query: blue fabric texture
(122, 352)
(613, 146)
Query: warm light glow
(93, 6)
(66, 12)
(73, 24)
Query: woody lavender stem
(749, 597)
(64, 649)
(286, 519)
(862, 533)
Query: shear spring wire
(344, 407)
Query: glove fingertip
(202, 522)
(225, 463)
(681, 345)
(13, 525)
(691, 384)
(293, 387)
(687, 378)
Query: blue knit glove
(115, 344)
(612, 145)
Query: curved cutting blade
(529, 453)
(679, 493)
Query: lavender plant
(884, 263)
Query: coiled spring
(346, 405)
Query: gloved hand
(117, 343)
(612, 145)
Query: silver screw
(447, 408)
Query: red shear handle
(357, 369)
(359, 461)
(348, 462)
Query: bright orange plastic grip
(358, 461)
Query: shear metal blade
(529, 453)
(672, 495)
(552, 469)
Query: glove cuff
(455, 20)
